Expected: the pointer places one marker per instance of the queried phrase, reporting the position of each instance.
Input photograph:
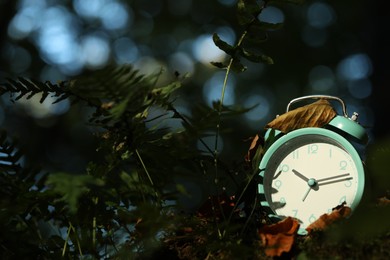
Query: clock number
(284, 168)
(343, 165)
(348, 183)
(295, 154)
(277, 184)
(312, 218)
(312, 149)
(343, 199)
(330, 153)
(295, 214)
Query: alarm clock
(309, 171)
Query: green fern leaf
(71, 187)
(28, 87)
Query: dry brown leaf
(253, 147)
(279, 237)
(316, 114)
(256, 143)
(325, 220)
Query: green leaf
(247, 11)
(271, 138)
(119, 109)
(257, 31)
(166, 91)
(231, 110)
(256, 57)
(135, 184)
(227, 48)
(219, 65)
(71, 187)
(237, 66)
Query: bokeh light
(57, 39)
(114, 16)
(205, 51)
(321, 55)
(182, 63)
(261, 102)
(272, 14)
(260, 111)
(322, 80)
(320, 15)
(89, 8)
(361, 88)
(354, 67)
(212, 89)
(24, 23)
(38, 110)
(125, 50)
(95, 50)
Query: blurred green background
(335, 48)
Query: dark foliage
(131, 201)
(121, 204)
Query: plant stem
(218, 126)
(146, 170)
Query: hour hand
(300, 175)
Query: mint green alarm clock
(307, 172)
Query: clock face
(309, 175)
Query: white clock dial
(308, 174)
(313, 179)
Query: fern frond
(121, 92)
(114, 91)
(22, 87)
(9, 155)
(112, 83)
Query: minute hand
(334, 177)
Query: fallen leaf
(316, 114)
(279, 237)
(325, 220)
(252, 148)
(255, 151)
